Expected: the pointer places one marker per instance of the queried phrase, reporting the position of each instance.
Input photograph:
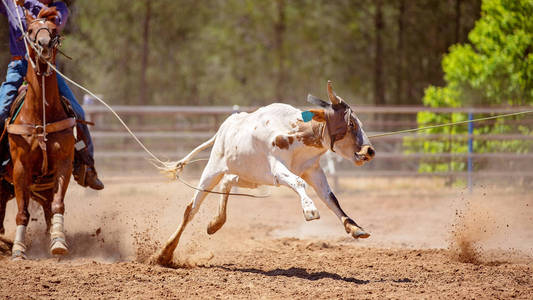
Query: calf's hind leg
(208, 181)
(227, 182)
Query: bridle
(54, 44)
(55, 41)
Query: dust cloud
(491, 227)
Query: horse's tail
(172, 168)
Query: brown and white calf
(276, 146)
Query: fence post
(470, 149)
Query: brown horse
(41, 140)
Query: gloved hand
(20, 2)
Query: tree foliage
(256, 52)
(494, 68)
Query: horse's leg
(21, 180)
(3, 203)
(47, 207)
(47, 210)
(58, 243)
(6, 194)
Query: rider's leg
(16, 70)
(84, 171)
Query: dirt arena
(428, 241)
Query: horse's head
(43, 35)
(345, 130)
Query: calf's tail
(172, 168)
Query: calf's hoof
(360, 234)
(163, 259)
(214, 226)
(18, 255)
(311, 214)
(58, 246)
(353, 229)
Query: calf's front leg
(317, 179)
(283, 176)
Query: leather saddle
(5, 157)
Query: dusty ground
(428, 241)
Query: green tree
(255, 52)
(495, 68)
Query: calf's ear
(318, 115)
(314, 100)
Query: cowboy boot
(84, 171)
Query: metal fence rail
(172, 131)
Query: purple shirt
(16, 44)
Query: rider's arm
(34, 6)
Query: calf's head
(345, 131)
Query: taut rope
(450, 124)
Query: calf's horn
(331, 94)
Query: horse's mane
(50, 14)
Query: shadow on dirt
(293, 272)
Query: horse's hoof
(360, 234)
(18, 255)
(58, 247)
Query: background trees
(248, 52)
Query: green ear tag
(307, 115)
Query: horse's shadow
(292, 272)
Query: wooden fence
(172, 131)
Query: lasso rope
(450, 124)
(214, 192)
